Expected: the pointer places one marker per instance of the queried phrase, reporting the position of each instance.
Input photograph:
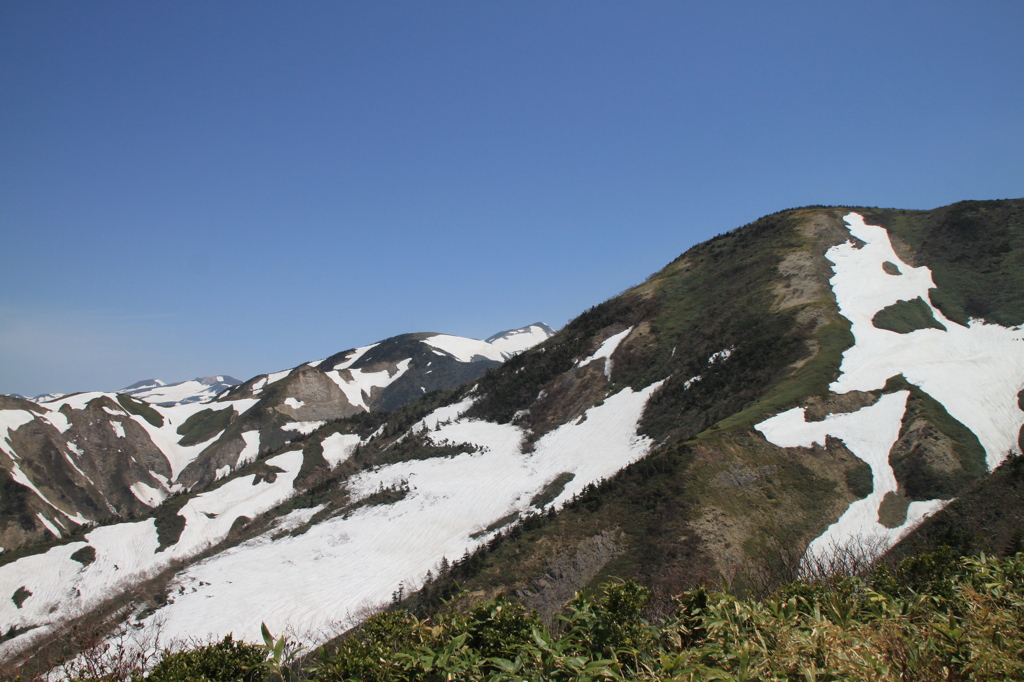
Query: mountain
(802, 389)
(199, 390)
(98, 457)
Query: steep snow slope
(975, 372)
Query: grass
(204, 425)
(138, 407)
(551, 490)
(904, 317)
(813, 378)
(922, 482)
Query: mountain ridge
(712, 421)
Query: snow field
(463, 349)
(192, 390)
(519, 340)
(348, 564)
(975, 371)
(126, 553)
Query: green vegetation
(904, 317)
(975, 250)
(138, 407)
(85, 556)
(20, 595)
(988, 516)
(204, 425)
(917, 477)
(859, 479)
(551, 490)
(169, 524)
(225, 660)
(931, 617)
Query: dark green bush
(225, 661)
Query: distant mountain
(98, 457)
(197, 390)
(813, 384)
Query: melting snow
(277, 376)
(166, 437)
(463, 349)
(250, 450)
(58, 420)
(293, 402)
(605, 351)
(127, 552)
(361, 385)
(49, 526)
(352, 359)
(12, 420)
(355, 562)
(148, 495)
(974, 371)
(519, 340)
(339, 446)
(869, 433)
(118, 429)
(304, 428)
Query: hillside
(818, 380)
(88, 458)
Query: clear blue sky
(206, 188)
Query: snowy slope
(365, 553)
(347, 563)
(975, 372)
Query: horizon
(191, 190)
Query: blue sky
(206, 188)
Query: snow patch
(293, 403)
(352, 359)
(463, 349)
(58, 419)
(148, 495)
(605, 351)
(250, 450)
(518, 340)
(12, 420)
(360, 387)
(305, 428)
(49, 525)
(339, 446)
